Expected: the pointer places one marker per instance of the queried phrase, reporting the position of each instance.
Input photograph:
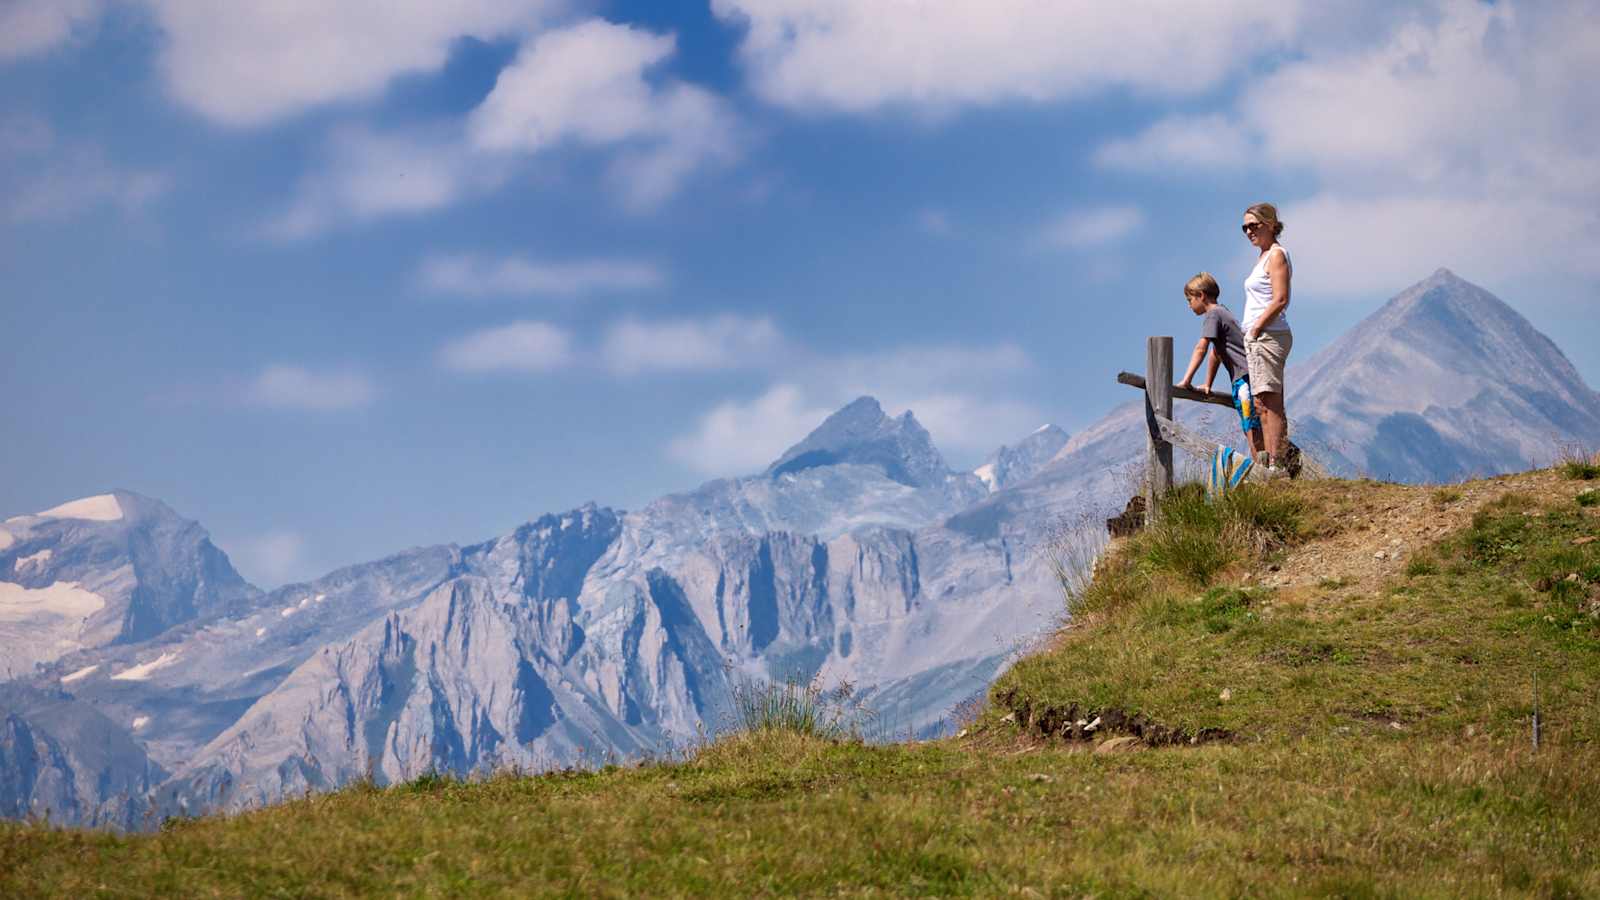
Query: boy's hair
(1205, 284)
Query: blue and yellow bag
(1229, 469)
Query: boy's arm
(1194, 362)
(1211, 368)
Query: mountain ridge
(856, 556)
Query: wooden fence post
(1157, 402)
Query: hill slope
(1356, 666)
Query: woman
(1267, 338)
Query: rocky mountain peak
(863, 434)
(1450, 371)
(1018, 462)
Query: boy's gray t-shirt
(1220, 327)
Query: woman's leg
(1274, 425)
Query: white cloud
(1346, 244)
(632, 346)
(474, 275)
(967, 422)
(737, 437)
(294, 387)
(1081, 229)
(1208, 141)
(589, 85)
(249, 62)
(45, 178)
(270, 559)
(857, 56)
(1471, 139)
(921, 365)
(518, 347)
(28, 27)
(77, 180)
(961, 394)
(368, 175)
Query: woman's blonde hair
(1205, 284)
(1266, 214)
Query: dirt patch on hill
(1367, 531)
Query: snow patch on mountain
(22, 562)
(103, 508)
(986, 475)
(61, 599)
(38, 625)
(1012, 464)
(81, 674)
(145, 670)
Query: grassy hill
(1320, 688)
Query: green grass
(1458, 643)
(1192, 541)
(1376, 744)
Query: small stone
(1009, 717)
(1586, 539)
(961, 734)
(1040, 776)
(1572, 577)
(1380, 555)
(1226, 695)
(1397, 726)
(1471, 730)
(1121, 744)
(1092, 725)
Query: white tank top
(1258, 294)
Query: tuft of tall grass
(801, 706)
(1576, 463)
(1193, 540)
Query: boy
(1221, 334)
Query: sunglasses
(1251, 227)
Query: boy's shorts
(1245, 403)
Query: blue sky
(339, 279)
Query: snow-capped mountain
(584, 634)
(857, 555)
(110, 569)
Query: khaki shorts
(1266, 356)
